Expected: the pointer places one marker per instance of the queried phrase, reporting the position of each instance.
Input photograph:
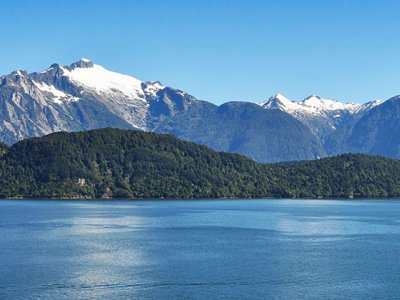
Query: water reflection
(101, 249)
(199, 249)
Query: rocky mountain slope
(79, 97)
(85, 96)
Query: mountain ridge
(84, 96)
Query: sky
(221, 50)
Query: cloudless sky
(217, 50)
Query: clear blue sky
(217, 50)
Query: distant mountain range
(85, 96)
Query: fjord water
(277, 249)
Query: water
(251, 249)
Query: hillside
(114, 163)
(122, 163)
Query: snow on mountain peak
(103, 80)
(278, 101)
(317, 103)
(312, 105)
(313, 98)
(280, 97)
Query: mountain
(378, 131)
(86, 96)
(79, 97)
(246, 128)
(330, 120)
(115, 163)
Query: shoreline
(194, 199)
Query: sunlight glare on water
(199, 249)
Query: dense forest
(115, 163)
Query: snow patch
(152, 87)
(182, 93)
(58, 96)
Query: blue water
(236, 249)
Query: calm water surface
(252, 249)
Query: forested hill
(114, 163)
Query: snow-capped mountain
(78, 97)
(85, 95)
(326, 118)
(316, 107)
(124, 96)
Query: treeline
(114, 163)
